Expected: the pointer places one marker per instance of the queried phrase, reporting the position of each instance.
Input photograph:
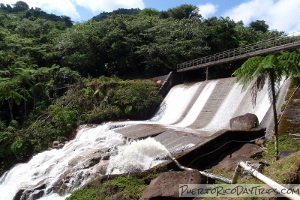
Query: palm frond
(245, 74)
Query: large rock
(244, 122)
(166, 186)
(246, 152)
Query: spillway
(190, 114)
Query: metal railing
(255, 49)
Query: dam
(190, 115)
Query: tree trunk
(10, 110)
(272, 80)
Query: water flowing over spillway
(189, 113)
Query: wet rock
(25, 195)
(36, 194)
(166, 186)
(244, 122)
(19, 194)
(61, 181)
(40, 187)
(101, 168)
(32, 194)
(55, 144)
(75, 161)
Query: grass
(129, 187)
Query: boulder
(19, 194)
(37, 194)
(166, 186)
(244, 122)
(246, 152)
(55, 144)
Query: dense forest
(54, 73)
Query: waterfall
(206, 106)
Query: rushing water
(98, 151)
(72, 166)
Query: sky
(281, 15)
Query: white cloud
(207, 10)
(60, 7)
(282, 15)
(70, 7)
(104, 5)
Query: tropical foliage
(273, 68)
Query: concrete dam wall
(191, 113)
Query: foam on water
(137, 156)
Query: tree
(259, 25)
(271, 67)
(149, 12)
(185, 11)
(222, 35)
(10, 93)
(121, 11)
(20, 6)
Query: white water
(72, 164)
(198, 105)
(175, 103)
(51, 167)
(137, 156)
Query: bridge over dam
(195, 114)
(256, 49)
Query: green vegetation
(130, 187)
(125, 186)
(286, 143)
